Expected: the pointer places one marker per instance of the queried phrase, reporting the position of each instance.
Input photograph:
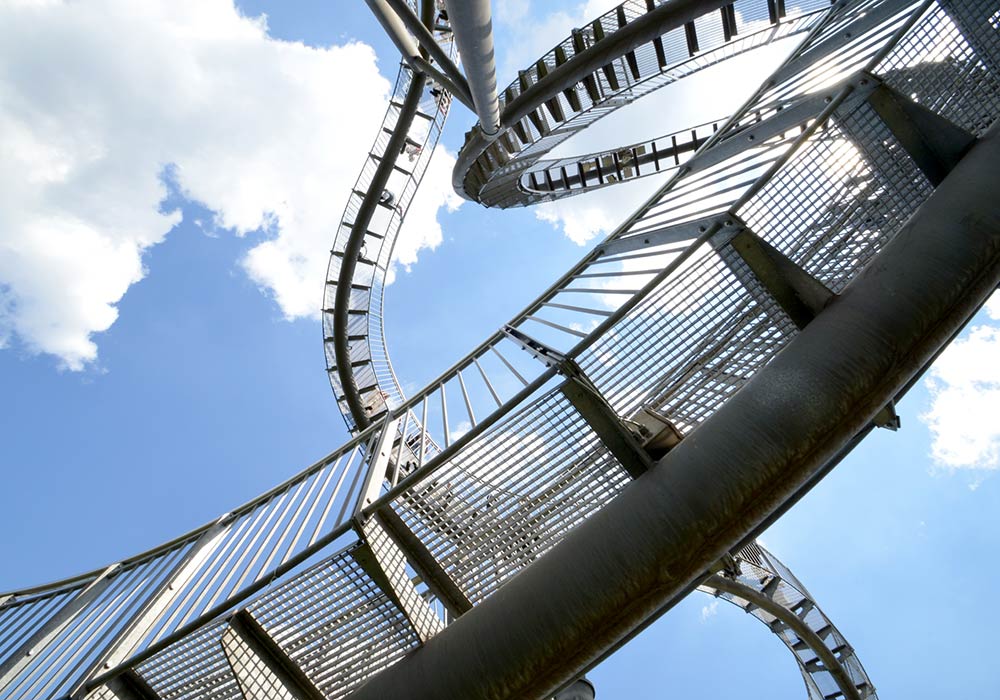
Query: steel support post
(799, 295)
(655, 542)
(18, 659)
(472, 25)
(395, 28)
(132, 633)
(603, 420)
(262, 668)
(423, 561)
(935, 144)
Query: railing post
(132, 633)
(21, 657)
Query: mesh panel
(949, 63)
(336, 624)
(194, 668)
(256, 680)
(696, 340)
(840, 198)
(515, 492)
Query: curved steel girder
(358, 216)
(760, 585)
(541, 108)
(353, 250)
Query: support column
(658, 539)
(472, 25)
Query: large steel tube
(759, 451)
(472, 25)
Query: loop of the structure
(353, 334)
(621, 56)
(760, 585)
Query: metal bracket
(424, 563)
(678, 233)
(548, 356)
(935, 143)
(603, 420)
(285, 673)
(888, 418)
(385, 563)
(799, 294)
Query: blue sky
(162, 362)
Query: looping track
(687, 310)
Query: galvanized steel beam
(472, 25)
(660, 537)
(273, 659)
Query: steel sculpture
(723, 348)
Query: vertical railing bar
(444, 417)
(44, 610)
(509, 365)
(58, 649)
(252, 551)
(333, 496)
(465, 395)
(232, 546)
(135, 593)
(489, 385)
(423, 433)
(287, 529)
(312, 508)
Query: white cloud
(964, 385)
(709, 611)
(421, 228)
(100, 97)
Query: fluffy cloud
(100, 98)
(964, 384)
(421, 228)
